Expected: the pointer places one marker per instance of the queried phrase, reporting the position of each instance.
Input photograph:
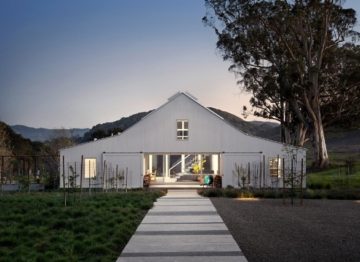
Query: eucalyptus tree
(283, 51)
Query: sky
(78, 63)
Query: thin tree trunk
(321, 157)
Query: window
(182, 129)
(90, 167)
(275, 167)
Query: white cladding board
(157, 134)
(249, 165)
(129, 164)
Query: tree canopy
(292, 58)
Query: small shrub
(314, 194)
(211, 192)
(246, 194)
(231, 193)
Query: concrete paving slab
(169, 258)
(182, 226)
(183, 203)
(182, 219)
(179, 243)
(177, 208)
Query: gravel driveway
(267, 230)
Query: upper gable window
(182, 129)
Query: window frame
(275, 167)
(89, 172)
(182, 132)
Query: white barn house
(173, 142)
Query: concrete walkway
(182, 226)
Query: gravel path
(267, 230)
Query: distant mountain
(269, 130)
(338, 139)
(45, 134)
(14, 144)
(264, 129)
(109, 128)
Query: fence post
(283, 176)
(63, 175)
(292, 181)
(301, 181)
(264, 171)
(2, 173)
(81, 173)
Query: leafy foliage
(285, 53)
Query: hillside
(338, 139)
(12, 143)
(106, 129)
(46, 134)
(263, 129)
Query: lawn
(334, 178)
(37, 227)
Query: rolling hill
(338, 139)
(46, 134)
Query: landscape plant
(37, 226)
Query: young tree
(281, 49)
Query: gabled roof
(193, 99)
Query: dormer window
(182, 129)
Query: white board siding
(131, 164)
(156, 133)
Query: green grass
(334, 178)
(37, 227)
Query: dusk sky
(77, 63)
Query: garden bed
(37, 226)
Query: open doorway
(181, 168)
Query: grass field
(37, 227)
(334, 178)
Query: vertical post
(301, 181)
(81, 173)
(260, 175)
(35, 167)
(215, 163)
(74, 179)
(2, 173)
(63, 175)
(68, 180)
(248, 174)
(103, 176)
(283, 176)
(292, 181)
(182, 163)
(150, 163)
(117, 177)
(167, 159)
(89, 177)
(264, 172)
(28, 174)
(126, 179)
